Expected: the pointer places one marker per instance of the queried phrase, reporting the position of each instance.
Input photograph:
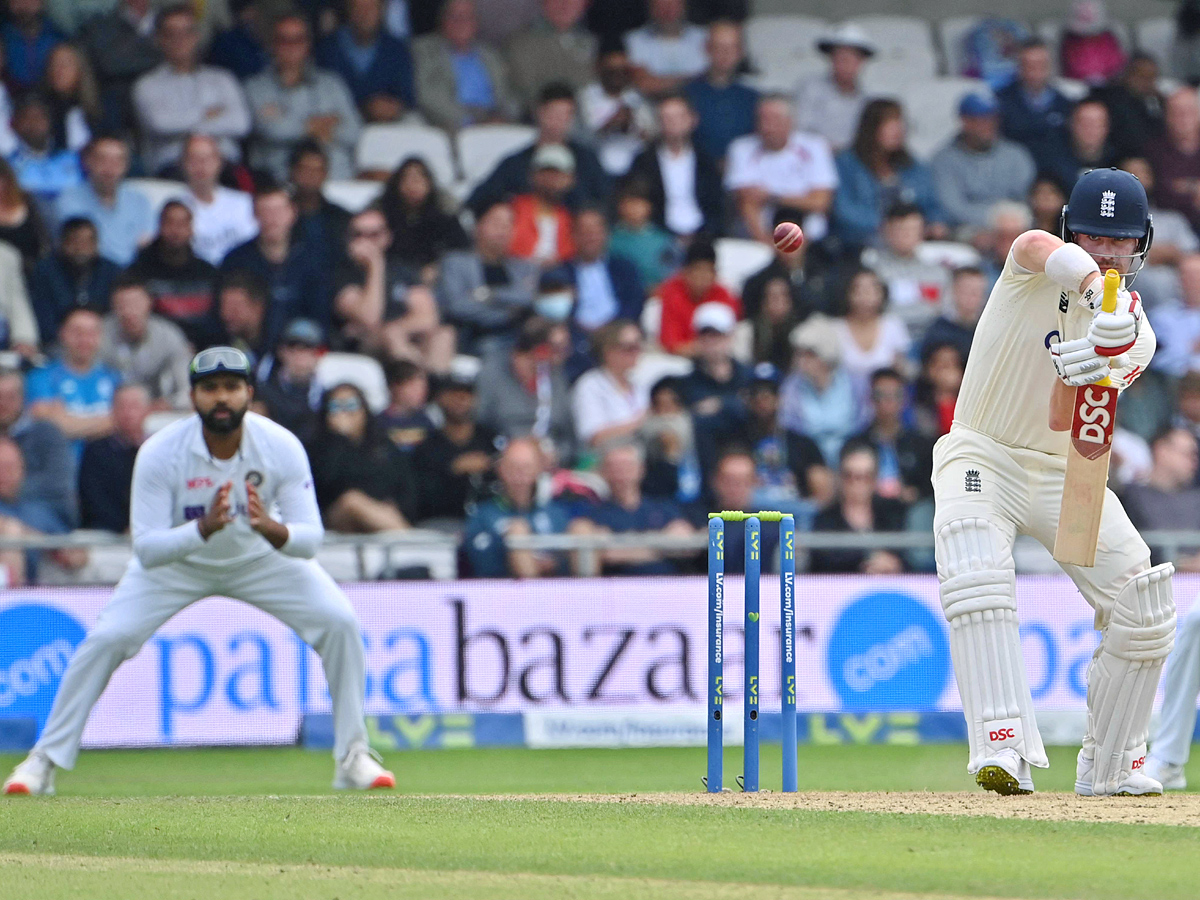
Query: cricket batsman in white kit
(204, 490)
(999, 473)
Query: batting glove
(1114, 333)
(1078, 362)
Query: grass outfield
(218, 824)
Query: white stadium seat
(383, 147)
(351, 194)
(738, 259)
(905, 45)
(362, 371)
(482, 147)
(951, 32)
(931, 111)
(158, 191)
(654, 366)
(784, 49)
(652, 320)
(157, 421)
(1155, 36)
(950, 254)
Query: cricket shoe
(1132, 783)
(361, 770)
(1005, 773)
(1169, 775)
(34, 775)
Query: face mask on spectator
(555, 306)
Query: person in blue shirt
(376, 66)
(75, 392)
(515, 510)
(732, 486)
(28, 39)
(74, 275)
(1032, 111)
(42, 169)
(123, 215)
(241, 48)
(24, 517)
(724, 106)
(627, 510)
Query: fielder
(203, 492)
(999, 473)
(1181, 684)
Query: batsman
(1046, 349)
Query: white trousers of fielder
(298, 592)
(1181, 685)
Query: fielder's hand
(1078, 362)
(219, 514)
(1114, 333)
(260, 521)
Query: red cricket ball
(788, 237)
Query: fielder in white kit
(999, 473)
(204, 489)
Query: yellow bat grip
(1112, 284)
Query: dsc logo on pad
(1002, 734)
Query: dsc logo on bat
(1092, 427)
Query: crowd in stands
(557, 345)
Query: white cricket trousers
(298, 592)
(1181, 685)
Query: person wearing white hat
(830, 105)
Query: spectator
(683, 181)
(293, 100)
(673, 468)
(1170, 499)
(637, 238)
(222, 217)
(714, 390)
(376, 66)
(989, 51)
(618, 118)
(1177, 324)
(380, 306)
(461, 80)
(868, 337)
(858, 508)
(555, 50)
(1185, 51)
(777, 317)
(50, 467)
(682, 296)
(904, 456)
(320, 222)
(916, 289)
(978, 167)
(968, 294)
(627, 510)
(42, 168)
(667, 51)
(818, 397)
(501, 19)
(524, 392)
(733, 484)
(937, 388)
(422, 228)
(1090, 50)
(291, 394)
(1088, 147)
(1047, 198)
(21, 224)
(120, 46)
(292, 270)
(242, 48)
(541, 221)
(554, 117)
(790, 267)
(72, 95)
(724, 106)
(607, 287)
(516, 510)
(144, 348)
(831, 105)
(1135, 106)
(606, 404)
(778, 167)
(69, 15)
(1188, 414)
(106, 468)
(1158, 279)
(28, 38)
(364, 483)
(74, 276)
(123, 217)
(242, 312)
(21, 517)
(406, 421)
(180, 282)
(75, 392)
(1032, 112)
(1006, 222)
(454, 462)
(18, 324)
(181, 97)
(486, 292)
(878, 172)
(1176, 160)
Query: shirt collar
(199, 448)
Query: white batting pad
(978, 596)
(1124, 674)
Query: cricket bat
(1092, 420)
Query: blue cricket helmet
(1110, 203)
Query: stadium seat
(1071, 88)
(931, 111)
(654, 366)
(157, 421)
(652, 320)
(951, 32)
(354, 368)
(783, 49)
(1155, 36)
(905, 45)
(157, 190)
(383, 147)
(950, 254)
(481, 147)
(738, 259)
(352, 195)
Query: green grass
(218, 824)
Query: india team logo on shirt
(1108, 204)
